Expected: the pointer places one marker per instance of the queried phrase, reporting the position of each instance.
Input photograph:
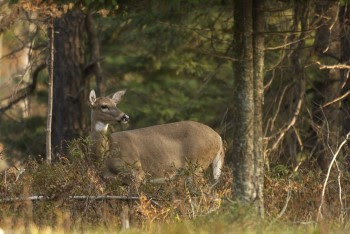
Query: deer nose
(125, 118)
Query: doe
(157, 150)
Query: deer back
(160, 149)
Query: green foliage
(155, 58)
(162, 53)
(343, 2)
(280, 171)
(100, 4)
(79, 148)
(23, 137)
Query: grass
(221, 223)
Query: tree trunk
(296, 96)
(344, 18)
(95, 52)
(328, 48)
(259, 48)
(243, 109)
(248, 161)
(70, 87)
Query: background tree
(70, 84)
(247, 106)
(328, 48)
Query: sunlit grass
(216, 224)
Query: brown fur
(158, 150)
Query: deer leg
(218, 163)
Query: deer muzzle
(125, 118)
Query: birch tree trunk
(259, 64)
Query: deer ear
(117, 97)
(92, 97)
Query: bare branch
(279, 106)
(337, 66)
(214, 54)
(285, 205)
(336, 99)
(335, 155)
(50, 92)
(288, 44)
(22, 93)
(289, 194)
(76, 197)
(342, 213)
(292, 122)
(332, 25)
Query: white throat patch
(101, 127)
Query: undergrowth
(187, 204)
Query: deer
(157, 151)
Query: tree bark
(300, 17)
(248, 159)
(328, 48)
(243, 100)
(70, 87)
(95, 52)
(259, 64)
(344, 18)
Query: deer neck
(99, 139)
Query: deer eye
(104, 107)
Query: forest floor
(63, 200)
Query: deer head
(104, 110)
